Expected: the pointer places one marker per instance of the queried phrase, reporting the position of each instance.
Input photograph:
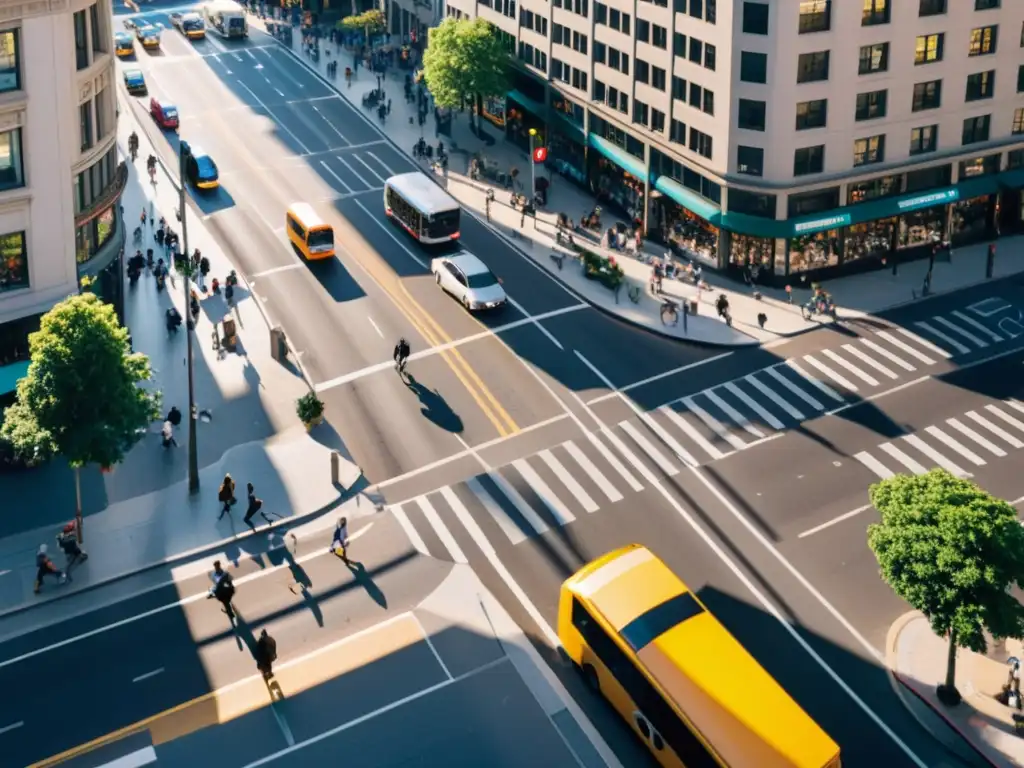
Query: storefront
(567, 139)
(687, 222)
(1010, 209)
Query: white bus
(226, 18)
(424, 210)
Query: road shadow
(335, 279)
(364, 579)
(433, 406)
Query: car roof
(123, 36)
(201, 156)
(190, 16)
(133, 73)
(468, 263)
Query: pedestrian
(167, 435)
(389, 106)
(339, 542)
(174, 416)
(266, 654)
(45, 567)
(223, 588)
(143, 217)
(67, 540)
(226, 495)
(255, 505)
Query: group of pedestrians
(67, 540)
(226, 496)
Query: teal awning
(691, 201)
(1012, 179)
(538, 109)
(9, 375)
(565, 124)
(755, 226)
(978, 186)
(619, 156)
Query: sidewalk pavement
(856, 296)
(980, 728)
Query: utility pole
(533, 168)
(186, 269)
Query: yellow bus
(685, 685)
(311, 237)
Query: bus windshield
(443, 224)
(320, 237)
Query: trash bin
(692, 306)
(278, 344)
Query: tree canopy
(81, 397)
(370, 22)
(952, 551)
(464, 60)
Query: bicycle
(671, 309)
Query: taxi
(191, 25)
(201, 171)
(148, 35)
(166, 115)
(135, 82)
(124, 44)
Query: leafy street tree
(953, 552)
(81, 397)
(370, 22)
(465, 60)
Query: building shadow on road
(434, 407)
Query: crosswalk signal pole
(184, 153)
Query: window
(752, 203)
(928, 48)
(924, 139)
(927, 95)
(874, 189)
(982, 165)
(871, 105)
(599, 91)
(677, 133)
(579, 43)
(812, 67)
(642, 71)
(658, 78)
(874, 58)
(99, 38)
(1018, 121)
(11, 166)
(869, 150)
(753, 67)
(102, 107)
(697, 9)
(600, 13)
(13, 262)
(755, 20)
(931, 7)
(807, 203)
(808, 160)
(815, 16)
(81, 40)
(980, 85)
(875, 12)
(618, 20)
(537, 23)
(749, 160)
(700, 143)
(600, 53)
(1020, 79)
(678, 88)
(660, 37)
(983, 41)
(696, 50)
(618, 60)
(811, 114)
(695, 95)
(711, 11)
(641, 113)
(579, 79)
(751, 115)
(643, 31)
(10, 61)
(976, 129)
(928, 178)
(709, 102)
(85, 125)
(985, 5)
(657, 121)
(709, 56)
(679, 44)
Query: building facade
(60, 179)
(799, 138)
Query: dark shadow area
(336, 280)
(433, 406)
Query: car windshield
(482, 280)
(319, 237)
(191, 24)
(206, 167)
(170, 112)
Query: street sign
(540, 154)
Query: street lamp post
(186, 268)
(533, 170)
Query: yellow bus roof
(710, 677)
(304, 212)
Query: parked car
(468, 279)
(166, 115)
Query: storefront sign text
(926, 201)
(832, 222)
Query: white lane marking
(786, 383)
(274, 271)
(647, 447)
(1015, 404)
(612, 459)
(433, 650)
(833, 521)
(896, 359)
(684, 455)
(631, 457)
(931, 453)
(363, 163)
(12, 727)
(522, 507)
(332, 126)
(547, 497)
(877, 396)
(995, 429)
(714, 424)
(774, 397)
(871, 381)
(658, 377)
(336, 177)
(375, 327)
(868, 360)
(551, 337)
(957, 329)
(410, 530)
(595, 475)
(355, 173)
(836, 377)
(732, 413)
(1005, 417)
(273, 117)
(907, 461)
(794, 366)
(694, 434)
(136, 759)
(393, 236)
(441, 530)
(902, 345)
(985, 443)
(148, 675)
(514, 533)
(559, 471)
(755, 406)
(4, 573)
(874, 465)
(279, 91)
(978, 326)
(923, 342)
(954, 445)
(382, 163)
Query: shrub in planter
(310, 408)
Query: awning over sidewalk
(691, 201)
(10, 374)
(619, 156)
(535, 107)
(1012, 179)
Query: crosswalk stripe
(714, 424)
(1005, 417)
(940, 335)
(934, 455)
(612, 459)
(995, 429)
(622, 448)
(684, 455)
(770, 394)
(874, 465)
(868, 360)
(733, 414)
(871, 381)
(441, 530)
(957, 329)
(587, 466)
(794, 389)
(460, 511)
(837, 378)
(904, 459)
(888, 355)
(795, 367)
(755, 406)
(692, 433)
(979, 326)
(514, 533)
(410, 530)
(899, 344)
(963, 450)
(547, 497)
(647, 447)
(1015, 404)
(568, 481)
(985, 443)
(522, 507)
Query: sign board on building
(950, 195)
(817, 225)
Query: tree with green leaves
(953, 552)
(371, 22)
(465, 60)
(81, 397)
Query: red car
(166, 115)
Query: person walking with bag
(45, 567)
(266, 654)
(223, 588)
(339, 543)
(255, 505)
(226, 495)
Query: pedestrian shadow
(434, 407)
(301, 583)
(363, 579)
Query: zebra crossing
(958, 445)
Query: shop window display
(970, 220)
(694, 237)
(755, 252)
(872, 239)
(921, 227)
(817, 250)
(568, 158)
(613, 184)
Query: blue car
(201, 171)
(135, 82)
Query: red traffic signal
(540, 154)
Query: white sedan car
(469, 280)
